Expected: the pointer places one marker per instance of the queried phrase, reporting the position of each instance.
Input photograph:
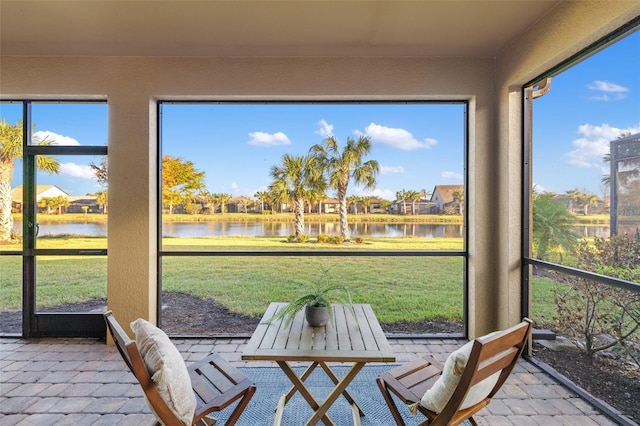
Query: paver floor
(86, 382)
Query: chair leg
(389, 400)
(235, 415)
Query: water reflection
(283, 229)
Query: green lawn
(400, 288)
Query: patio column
(132, 247)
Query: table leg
(346, 394)
(304, 377)
(321, 411)
(306, 394)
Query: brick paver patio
(85, 382)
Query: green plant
(318, 294)
(597, 316)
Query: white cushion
(436, 398)
(166, 368)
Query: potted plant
(316, 301)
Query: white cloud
(592, 147)
(234, 185)
(387, 170)
(610, 91)
(268, 139)
(53, 138)
(397, 138)
(451, 175)
(77, 171)
(325, 130)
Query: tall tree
(102, 198)
(294, 179)
(343, 166)
(402, 196)
(10, 151)
(263, 197)
(223, 200)
(458, 197)
(353, 200)
(367, 202)
(413, 196)
(552, 229)
(180, 181)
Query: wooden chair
(216, 383)
(489, 355)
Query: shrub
(359, 240)
(301, 239)
(338, 239)
(597, 316)
(322, 238)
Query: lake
(283, 229)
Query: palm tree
(424, 194)
(223, 200)
(343, 166)
(11, 150)
(413, 196)
(574, 196)
(552, 229)
(458, 197)
(47, 202)
(102, 198)
(353, 200)
(367, 202)
(402, 196)
(587, 199)
(262, 196)
(294, 180)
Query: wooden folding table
(352, 337)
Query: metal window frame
(335, 253)
(48, 324)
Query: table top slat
(257, 338)
(378, 334)
(294, 335)
(344, 341)
(369, 340)
(354, 328)
(331, 336)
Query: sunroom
(141, 73)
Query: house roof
(16, 193)
(446, 192)
(259, 28)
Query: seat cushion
(166, 368)
(436, 398)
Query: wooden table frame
(349, 338)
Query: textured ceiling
(265, 28)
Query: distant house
(42, 191)
(240, 204)
(84, 204)
(328, 205)
(422, 206)
(443, 197)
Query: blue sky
(418, 146)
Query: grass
(400, 288)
